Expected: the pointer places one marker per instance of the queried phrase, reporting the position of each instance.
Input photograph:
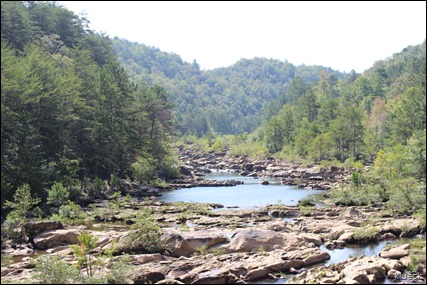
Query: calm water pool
(249, 195)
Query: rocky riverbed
(307, 177)
(232, 246)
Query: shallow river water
(249, 195)
(252, 195)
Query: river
(247, 196)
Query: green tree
(274, 133)
(20, 211)
(305, 134)
(57, 195)
(308, 106)
(82, 251)
(16, 25)
(347, 131)
(322, 147)
(408, 115)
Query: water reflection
(249, 195)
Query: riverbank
(227, 246)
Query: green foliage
(202, 250)
(421, 215)
(70, 213)
(224, 100)
(143, 169)
(357, 179)
(82, 252)
(358, 196)
(407, 196)
(23, 201)
(54, 270)
(365, 234)
(69, 112)
(417, 254)
(260, 249)
(96, 189)
(119, 272)
(306, 210)
(145, 237)
(57, 195)
(217, 251)
(19, 214)
(308, 201)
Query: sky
(342, 35)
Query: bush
(53, 270)
(119, 272)
(70, 213)
(307, 201)
(357, 196)
(58, 195)
(363, 235)
(408, 196)
(96, 189)
(146, 237)
(143, 169)
(82, 251)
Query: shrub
(70, 213)
(143, 169)
(95, 189)
(119, 272)
(146, 237)
(365, 234)
(218, 251)
(408, 196)
(307, 201)
(202, 250)
(57, 195)
(357, 196)
(53, 270)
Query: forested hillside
(355, 116)
(229, 100)
(377, 118)
(69, 113)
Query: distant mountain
(226, 100)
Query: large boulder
(185, 245)
(312, 238)
(36, 227)
(255, 240)
(257, 273)
(396, 253)
(55, 238)
(308, 256)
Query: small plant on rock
(82, 251)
